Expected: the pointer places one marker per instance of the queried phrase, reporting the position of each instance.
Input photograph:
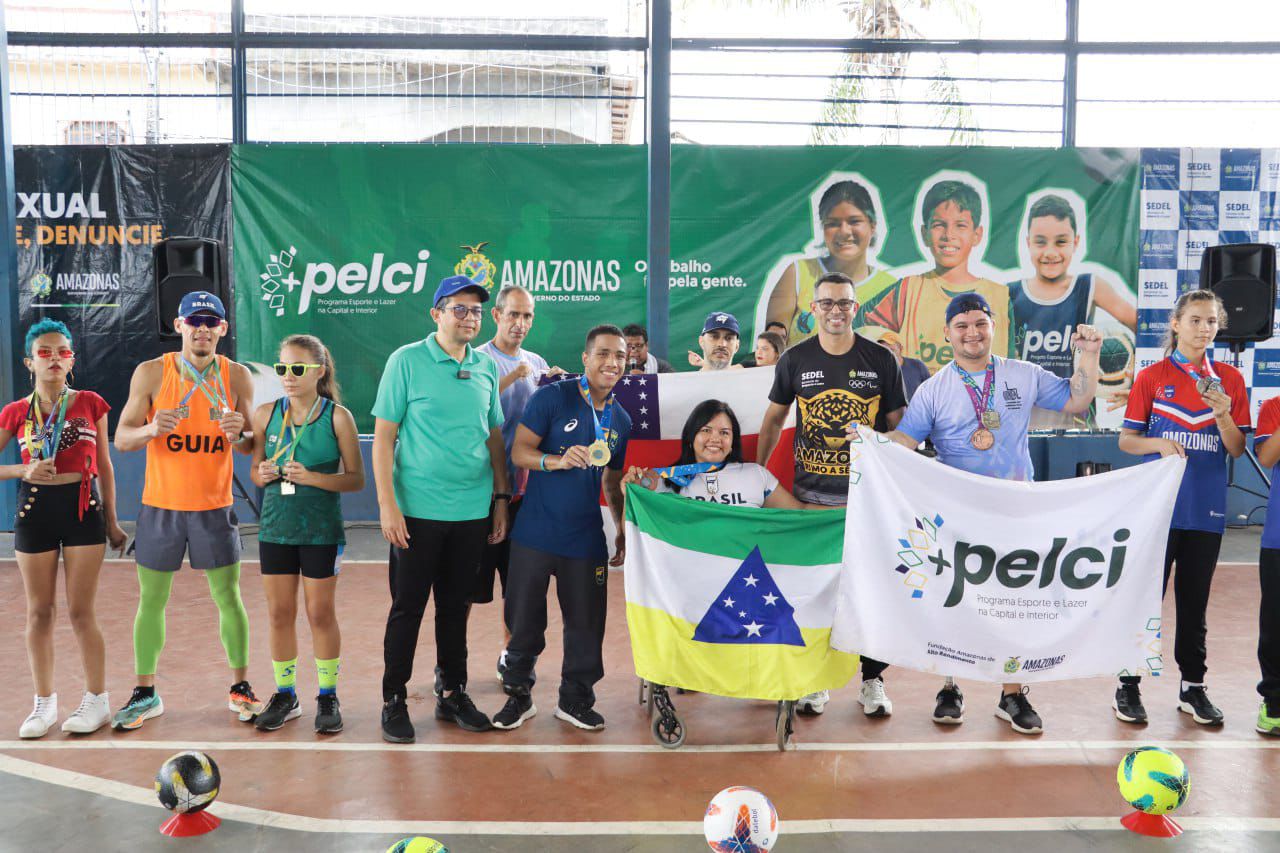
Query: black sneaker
(281, 708)
(328, 714)
(519, 708)
(1016, 710)
(1195, 701)
(1128, 704)
(581, 715)
(949, 710)
(396, 727)
(458, 708)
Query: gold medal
(991, 419)
(598, 453)
(982, 438)
(287, 488)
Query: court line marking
(137, 795)
(117, 743)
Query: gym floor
(849, 783)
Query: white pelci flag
(957, 574)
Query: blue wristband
(542, 463)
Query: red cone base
(195, 823)
(1156, 826)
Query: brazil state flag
(733, 601)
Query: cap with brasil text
(721, 320)
(201, 300)
(967, 302)
(456, 284)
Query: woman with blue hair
(62, 435)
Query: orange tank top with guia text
(190, 468)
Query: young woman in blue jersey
(1269, 574)
(1192, 406)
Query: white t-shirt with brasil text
(736, 484)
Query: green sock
(233, 621)
(148, 624)
(286, 674)
(327, 673)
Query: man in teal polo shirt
(439, 397)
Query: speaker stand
(238, 490)
(1236, 349)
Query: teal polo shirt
(442, 470)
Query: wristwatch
(502, 496)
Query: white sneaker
(814, 703)
(874, 701)
(94, 713)
(43, 716)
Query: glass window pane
(801, 98)
(1179, 20)
(1132, 101)
(96, 96)
(890, 19)
(545, 17)
(118, 16)
(445, 96)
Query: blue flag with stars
(750, 609)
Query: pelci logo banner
(350, 241)
(977, 577)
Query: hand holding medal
(288, 485)
(166, 421)
(232, 425)
(598, 454)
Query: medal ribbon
(982, 400)
(216, 395)
(295, 432)
(1184, 364)
(46, 441)
(602, 420)
(682, 475)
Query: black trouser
(441, 557)
(872, 668)
(582, 587)
(1269, 627)
(1196, 554)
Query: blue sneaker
(136, 710)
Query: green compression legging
(148, 625)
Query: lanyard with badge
(682, 475)
(983, 400)
(598, 454)
(214, 393)
(295, 438)
(1204, 383)
(44, 443)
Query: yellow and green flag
(734, 601)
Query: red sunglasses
(48, 352)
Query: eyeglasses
(462, 312)
(48, 352)
(209, 321)
(297, 368)
(825, 305)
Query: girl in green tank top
(306, 453)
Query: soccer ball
(741, 820)
(1153, 780)
(188, 782)
(417, 845)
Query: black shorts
(317, 562)
(49, 518)
(494, 560)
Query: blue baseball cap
(967, 302)
(721, 320)
(456, 284)
(201, 300)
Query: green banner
(349, 241)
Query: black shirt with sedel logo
(831, 392)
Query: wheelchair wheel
(665, 724)
(785, 723)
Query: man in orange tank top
(189, 410)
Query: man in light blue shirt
(519, 371)
(977, 411)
